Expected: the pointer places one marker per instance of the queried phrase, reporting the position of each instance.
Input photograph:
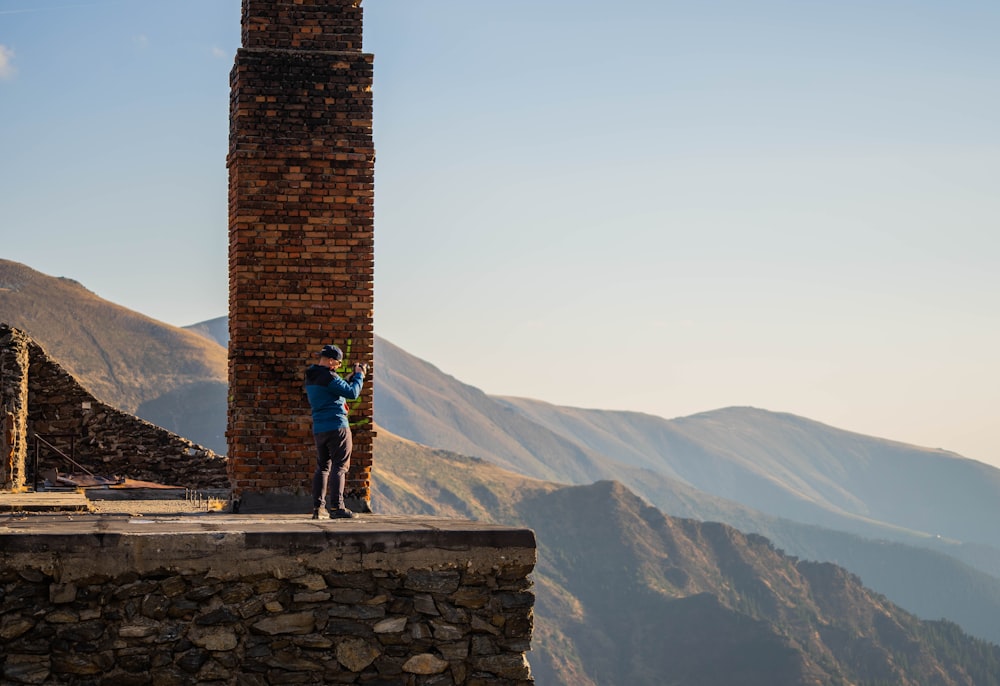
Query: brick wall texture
(301, 251)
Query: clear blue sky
(659, 206)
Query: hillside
(214, 329)
(137, 364)
(713, 466)
(627, 595)
(416, 400)
(570, 445)
(742, 466)
(775, 463)
(796, 468)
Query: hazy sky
(659, 206)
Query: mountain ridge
(57, 312)
(580, 463)
(701, 448)
(629, 595)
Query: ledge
(70, 547)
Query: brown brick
(301, 254)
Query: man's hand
(361, 367)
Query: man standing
(328, 395)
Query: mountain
(214, 329)
(796, 468)
(667, 462)
(125, 358)
(423, 404)
(775, 463)
(752, 462)
(714, 466)
(416, 479)
(772, 464)
(628, 595)
(165, 375)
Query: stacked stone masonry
(40, 398)
(254, 608)
(14, 346)
(301, 250)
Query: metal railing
(42, 440)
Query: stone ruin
(38, 398)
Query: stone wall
(13, 408)
(249, 603)
(46, 400)
(301, 250)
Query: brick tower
(301, 250)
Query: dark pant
(333, 458)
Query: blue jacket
(328, 396)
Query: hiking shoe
(341, 513)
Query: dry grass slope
(122, 357)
